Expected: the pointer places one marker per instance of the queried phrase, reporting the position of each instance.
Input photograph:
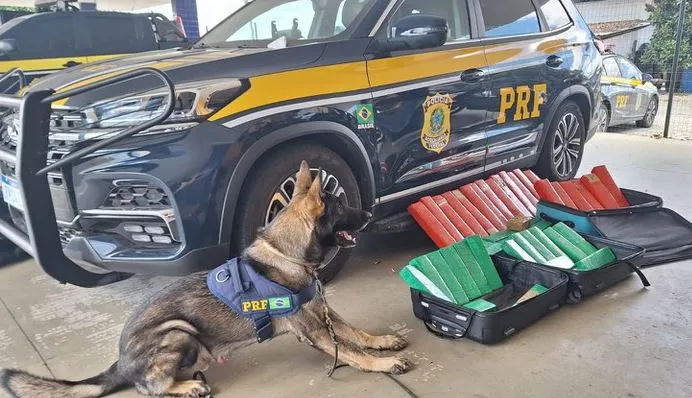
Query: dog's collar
(293, 260)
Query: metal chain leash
(328, 321)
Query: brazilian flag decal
(280, 303)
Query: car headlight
(195, 102)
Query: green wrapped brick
(541, 223)
(425, 266)
(576, 239)
(562, 262)
(499, 236)
(572, 251)
(417, 280)
(521, 241)
(492, 247)
(538, 245)
(475, 245)
(513, 249)
(541, 236)
(461, 270)
(462, 252)
(480, 305)
(599, 259)
(444, 268)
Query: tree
(665, 19)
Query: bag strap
(639, 273)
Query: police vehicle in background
(629, 96)
(391, 99)
(46, 42)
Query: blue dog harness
(253, 296)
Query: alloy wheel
(282, 196)
(602, 120)
(567, 145)
(651, 112)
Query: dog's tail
(20, 384)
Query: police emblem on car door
(437, 128)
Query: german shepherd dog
(184, 328)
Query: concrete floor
(626, 342)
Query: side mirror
(8, 46)
(416, 32)
(647, 78)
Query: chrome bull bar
(42, 239)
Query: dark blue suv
(172, 172)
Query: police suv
(168, 162)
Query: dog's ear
(303, 179)
(315, 192)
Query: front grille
(66, 235)
(57, 148)
(134, 196)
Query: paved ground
(627, 342)
(680, 126)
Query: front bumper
(80, 247)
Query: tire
(560, 162)
(650, 115)
(267, 178)
(603, 118)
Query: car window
(554, 13)
(611, 67)
(455, 12)
(115, 34)
(168, 32)
(509, 18)
(629, 71)
(296, 20)
(44, 37)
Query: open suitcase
(665, 235)
(579, 220)
(449, 320)
(583, 284)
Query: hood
(181, 66)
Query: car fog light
(133, 228)
(154, 230)
(162, 239)
(141, 238)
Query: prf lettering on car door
(520, 99)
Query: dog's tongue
(347, 236)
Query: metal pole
(676, 62)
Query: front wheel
(650, 115)
(564, 144)
(270, 188)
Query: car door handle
(554, 61)
(472, 75)
(70, 64)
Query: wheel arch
(577, 94)
(334, 136)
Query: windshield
(281, 23)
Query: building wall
(613, 10)
(620, 10)
(628, 43)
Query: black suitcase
(449, 320)
(579, 220)
(583, 284)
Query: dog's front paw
(391, 343)
(400, 366)
(190, 389)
